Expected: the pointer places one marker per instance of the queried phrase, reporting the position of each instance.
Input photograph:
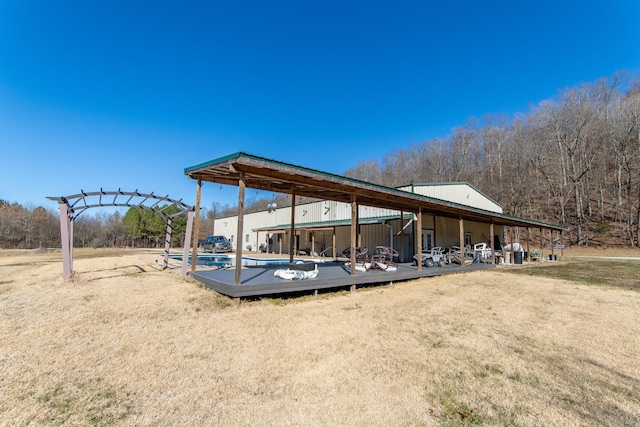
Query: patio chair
(483, 250)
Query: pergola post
(292, 231)
(196, 231)
(66, 241)
(167, 243)
(241, 190)
(187, 239)
(419, 237)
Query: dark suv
(215, 244)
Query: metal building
(323, 226)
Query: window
(468, 239)
(246, 239)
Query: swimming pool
(222, 260)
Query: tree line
(573, 160)
(27, 228)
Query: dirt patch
(126, 343)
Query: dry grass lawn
(128, 344)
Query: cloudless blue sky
(126, 94)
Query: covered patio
(249, 171)
(260, 281)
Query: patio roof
(272, 175)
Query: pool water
(222, 260)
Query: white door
(427, 240)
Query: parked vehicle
(215, 244)
(433, 257)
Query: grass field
(126, 343)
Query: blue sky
(122, 94)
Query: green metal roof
(272, 175)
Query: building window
(246, 239)
(468, 239)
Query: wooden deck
(259, 280)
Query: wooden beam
(419, 238)
(358, 227)
(461, 222)
(196, 231)
(541, 245)
(353, 232)
(240, 229)
(491, 240)
(401, 234)
(313, 243)
(292, 232)
(333, 243)
(512, 258)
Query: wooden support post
(196, 231)
(333, 244)
(358, 228)
(512, 258)
(240, 229)
(401, 250)
(461, 221)
(281, 237)
(313, 244)
(353, 232)
(528, 249)
(185, 246)
(435, 232)
(292, 231)
(491, 241)
(66, 242)
(562, 243)
(552, 243)
(167, 243)
(541, 245)
(419, 237)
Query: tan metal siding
(462, 194)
